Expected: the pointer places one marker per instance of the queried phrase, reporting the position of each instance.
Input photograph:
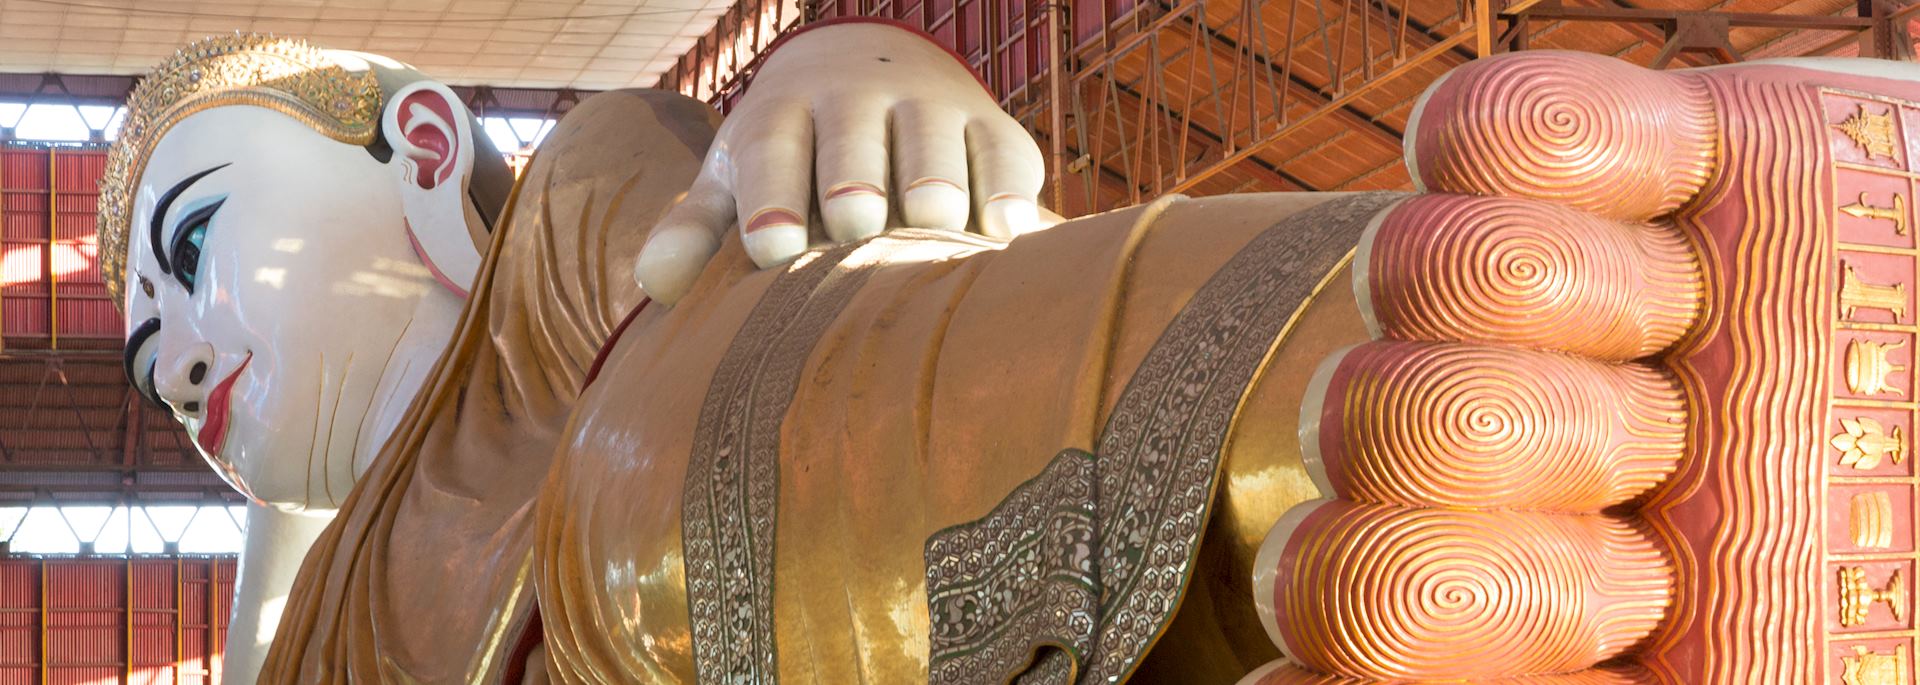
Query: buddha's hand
(1639, 391)
(847, 130)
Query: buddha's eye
(188, 237)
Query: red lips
(213, 433)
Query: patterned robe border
(1017, 588)
(998, 611)
(1160, 451)
(733, 474)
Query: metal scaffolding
(1219, 96)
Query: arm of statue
(1640, 390)
(875, 126)
(276, 542)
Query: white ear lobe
(431, 135)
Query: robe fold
(931, 457)
(423, 576)
(924, 457)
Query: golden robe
(422, 578)
(925, 457)
(936, 458)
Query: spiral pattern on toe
(1456, 267)
(1290, 674)
(1587, 131)
(1379, 591)
(1444, 424)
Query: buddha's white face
(270, 278)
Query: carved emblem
(1868, 668)
(1866, 442)
(1872, 132)
(1856, 294)
(1871, 520)
(1896, 214)
(1868, 366)
(1857, 597)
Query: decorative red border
(600, 358)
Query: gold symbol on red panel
(1871, 521)
(1857, 597)
(1866, 442)
(1872, 132)
(1896, 214)
(1856, 294)
(1868, 366)
(1868, 668)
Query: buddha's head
(273, 221)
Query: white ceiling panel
(586, 44)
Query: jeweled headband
(285, 75)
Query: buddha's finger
(1528, 273)
(1007, 174)
(1456, 425)
(930, 165)
(683, 241)
(851, 168)
(773, 184)
(1386, 592)
(1586, 131)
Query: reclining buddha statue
(819, 394)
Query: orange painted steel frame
(53, 245)
(1202, 97)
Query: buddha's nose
(183, 379)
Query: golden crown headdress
(285, 75)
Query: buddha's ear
(430, 132)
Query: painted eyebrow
(139, 338)
(160, 215)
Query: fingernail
(854, 211)
(854, 189)
(774, 242)
(1009, 215)
(770, 218)
(671, 261)
(935, 203)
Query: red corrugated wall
(68, 621)
(1001, 39)
(48, 254)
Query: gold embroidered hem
(865, 399)
(1015, 596)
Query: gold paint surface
(1857, 596)
(1868, 367)
(1217, 636)
(1867, 667)
(1864, 442)
(1856, 295)
(1896, 213)
(1870, 520)
(1872, 132)
(954, 374)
